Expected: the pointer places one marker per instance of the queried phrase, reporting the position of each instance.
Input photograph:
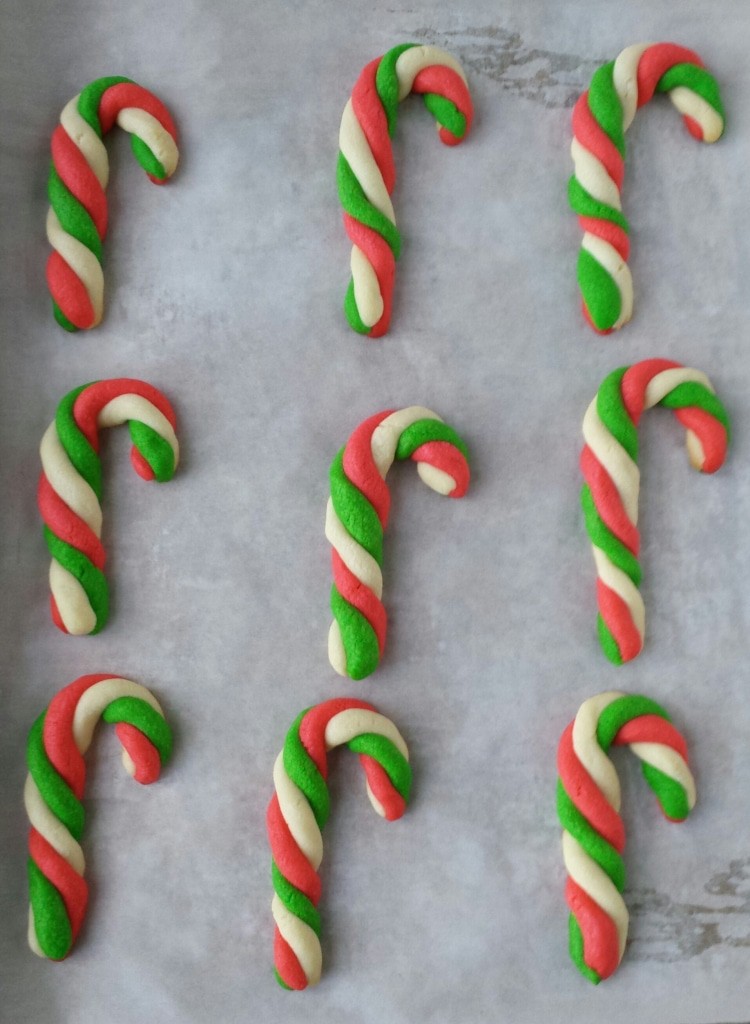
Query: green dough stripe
(597, 847)
(696, 79)
(155, 449)
(606, 105)
(388, 755)
(422, 432)
(84, 458)
(304, 773)
(603, 297)
(51, 922)
(575, 945)
(602, 537)
(355, 511)
(137, 712)
(584, 204)
(358, 637)
(55, 791)
(295, 901)
(358, 206)
(83, 569)
(614, 415)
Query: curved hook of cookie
(601, 117)
(70, 487)
(58, 893)
(299, 810)
(357, 515)
(366, 173)
(77, 217)
(588, 805)
(609, 463)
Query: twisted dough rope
(588, 804)
(600, 119)
(299, 809)
(610, 493)
(357, 515)
(77, 218)
(366, 173)
(54, 789)
(70, 487)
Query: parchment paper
(225, 289)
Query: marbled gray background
(225, 289)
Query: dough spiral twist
(601, 117)
(70, 487)
(55, 786)
(612, 480)
(77, 218)
(299, 809)
(588, 804)
(357, 515)
(366, 173)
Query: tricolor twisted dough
(70, 487)
(366, 172)
(588, 803)
(299, 810)
(77, 218)
(601, 117)
(610, 494)
(357, 515)
(54, 789)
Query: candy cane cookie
(357, 515)
(601, 117)
(55, 786)
(70, 487)
(367, 174)
(299, 810)
(588, 804)
(77, 218)
(609, 463)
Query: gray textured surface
(225, 289)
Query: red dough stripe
(66, 525)
(446, 457)
(601, 946)
(445, 82)
(128, 94)
(287, 964)
(382, 788)
(361, 597)
(586, 795)
(608, 232)
(312, 728)
(69, 291)
(360, 467)
(657, 60)
(79, 178)
(289, 858)
(589, 133)
(143, 753)
(380, 255)
(58, 733)
(71, 886)
(652, 729)
(370, 113)
(608, 501)
(619, 621)
(92, 400)
(636, 380)
(712, 434)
